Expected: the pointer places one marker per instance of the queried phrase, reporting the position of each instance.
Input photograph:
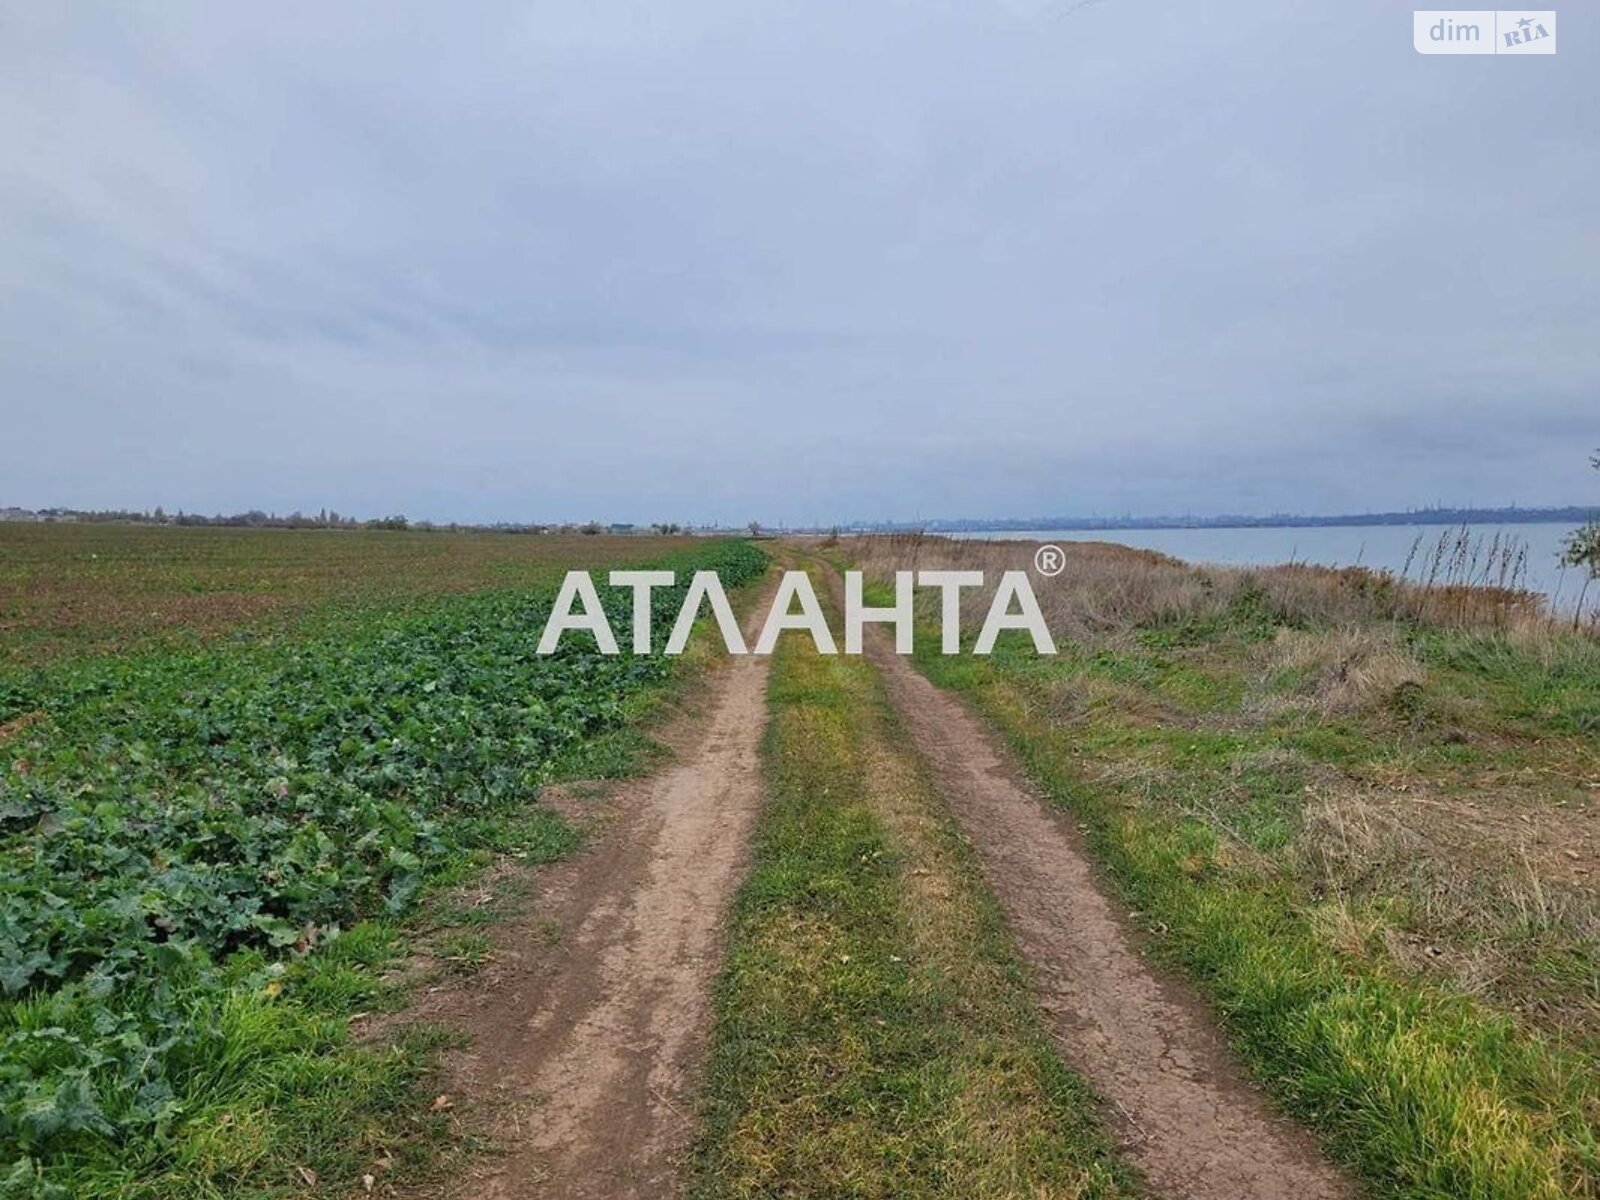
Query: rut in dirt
(585, 1060)
(1186, 1115)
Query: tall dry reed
(1461, 581)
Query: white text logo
(578, 609)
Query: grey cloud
(732, 260)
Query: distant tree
(755, 528)
(592, 528)
(1583, 545)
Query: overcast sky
(791, 262)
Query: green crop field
(72, 589)
(206, 853)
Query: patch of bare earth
(10, 729)
(1186, 1115)
(586, 1032)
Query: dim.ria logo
(794, 606)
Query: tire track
(583, 1058)
(1189, 1119)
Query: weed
(465, 952)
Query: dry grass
(1107, 589)
(1340, 671)
(1498, 895)
(1414, 754)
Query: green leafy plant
(179, 828)
(1583, 545)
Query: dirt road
(585, 1054)
(1187, 1118)
(582, 1057)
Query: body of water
(1381, 547)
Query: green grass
(1556, 693)
(464, 952)
(1425, 1091)
(873, 1034)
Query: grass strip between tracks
(873, 1033)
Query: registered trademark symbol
(1050, 560)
